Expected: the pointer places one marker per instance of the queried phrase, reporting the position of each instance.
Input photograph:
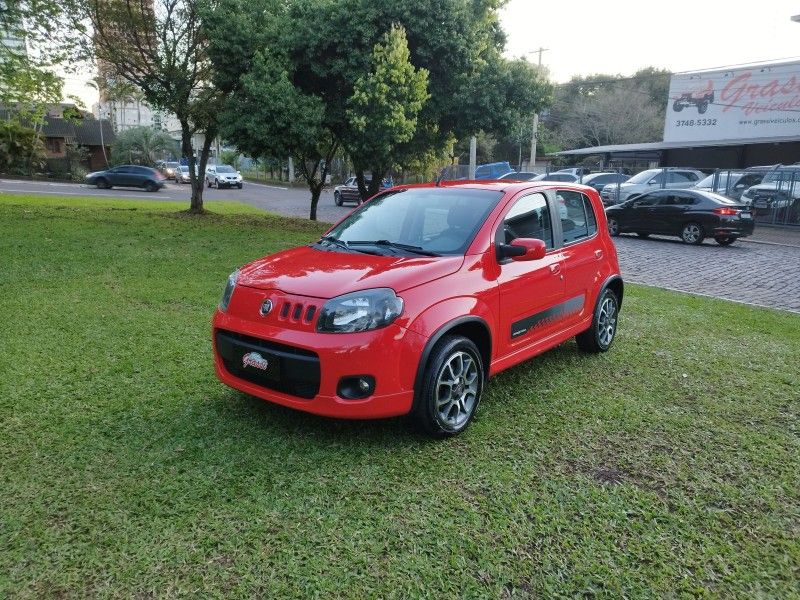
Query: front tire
(601, 334)
(613, 227)
(240, 186)
(725, 241)
(451, 389)
(102, 184)
(693, 234)
(337, 198)
(208, 183)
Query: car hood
(307, 271)
(94, 174)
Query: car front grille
(290, 370)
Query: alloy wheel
(691, 233)
(457, 390)
(607, 321)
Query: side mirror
(652, 182)
(523, 249)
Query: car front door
(531, 292)
(116, 176)
(668, 211)
(640, 214)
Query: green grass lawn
(668, 467)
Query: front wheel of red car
(600, 336)
(451, 388)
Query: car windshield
(225, 169)
(426, 220)
(643, 177)
(184, 169)
(722, 180)
(719, 198)
(782, 175)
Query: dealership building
(724, 119)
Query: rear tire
(451, 387)
(613, 227)
(601, 334)
(725, 241)
(693, 234)
(150, 187)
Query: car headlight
(360, 311)
(228, 293)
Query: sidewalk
(786, 236)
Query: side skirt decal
(546, 317)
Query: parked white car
(223, 176)
(650, 180)
(779, 188)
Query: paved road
(288, 201)
(765, 274)
(756, 273)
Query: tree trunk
(316, 191)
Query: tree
(142, 146)
(268, 116)
(609, 109)
(161, 50)
(386, 100)
(21, 148)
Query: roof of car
(500, 185)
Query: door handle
(555, 268)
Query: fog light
(356, 387)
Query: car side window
(578, 220)
(528, 218)
(647, 200)
(683, 199)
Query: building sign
(740, 104)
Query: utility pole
(473, 154)
(535, 130)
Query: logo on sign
(255, 360)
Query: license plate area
(745, 215)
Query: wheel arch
(471, 327)
(615, 284)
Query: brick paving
(764, 274)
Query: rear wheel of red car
(613, 226)
(451, 388)
(693, 233)
(724, 241)
(600, 336)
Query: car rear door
(531, 292)
(582, 253)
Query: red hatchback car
(412, 301)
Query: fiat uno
(412, 301)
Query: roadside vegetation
(668, 467)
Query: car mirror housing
(523, 249)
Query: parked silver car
(779, 188)
(730, 183)
(649, 180)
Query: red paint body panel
(435, 290)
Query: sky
(584, 37)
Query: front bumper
(317, 363)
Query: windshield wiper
(342, 244)
(335, 241)
(399, 246)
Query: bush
(21, 149)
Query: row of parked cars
(152, 180)
(761, 188)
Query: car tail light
(159, 176)
(729, 212)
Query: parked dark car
(518, 176)
(348, 191)
(556, 176)
(600, 180)
(127, 176)
(691, 215)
